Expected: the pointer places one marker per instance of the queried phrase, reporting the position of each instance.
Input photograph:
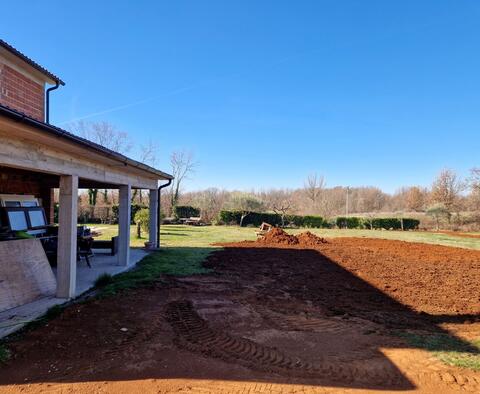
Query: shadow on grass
(447, 348)
(176, 261)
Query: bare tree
(183, 166)
(446, 190)
(474, 184)
(107, 135)
(148, 155)
(313, 188)
(280, 202)
(415, 199)
(103, 133)
(210, 202)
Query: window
(37, 219)
(12, 203)
(29, 204)
(18, 220)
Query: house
(37, 157)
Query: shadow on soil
(262, 289)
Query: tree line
(449, 200)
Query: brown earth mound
(309, 239)
(277, 236)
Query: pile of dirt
(277, 236)
(309, 239)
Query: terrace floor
(13, 319)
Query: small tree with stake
(142, 220)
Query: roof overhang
(73, 140)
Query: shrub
(4, 354)
(256, 219)
(103, 280)
(185, 211)
(349, 222)
(377, 223)
(313, 221)
(133, 210)
(394, 223)
(253, 218)
(142, 219)
(295, 220)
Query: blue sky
(381, 93)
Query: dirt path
(270, 319)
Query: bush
(256, 219)
(103, 280)
(133, 211)
(142, 219)
(394, 223)
(185, 211)
(253, 219)
(377, 223)
(349, 222)
(313, 221)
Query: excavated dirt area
(281, 315)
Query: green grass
(169, 261)
(4, 354)
(448, 349)
(190, 236)
(103, 280)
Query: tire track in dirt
(304, 323)
(428, 371)
(194, 334)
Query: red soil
(277, 236)
(308, 239)
(272, 317)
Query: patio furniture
(111, 244)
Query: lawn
(190, 236)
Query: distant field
(177, 235)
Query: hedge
(185, 211)
(313, 221)
(256, 219)
(393, 223)
(349, 222)
(377, 223)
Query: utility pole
(346, 208)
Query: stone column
(67, 237)
(153, 224)
(124, 212)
